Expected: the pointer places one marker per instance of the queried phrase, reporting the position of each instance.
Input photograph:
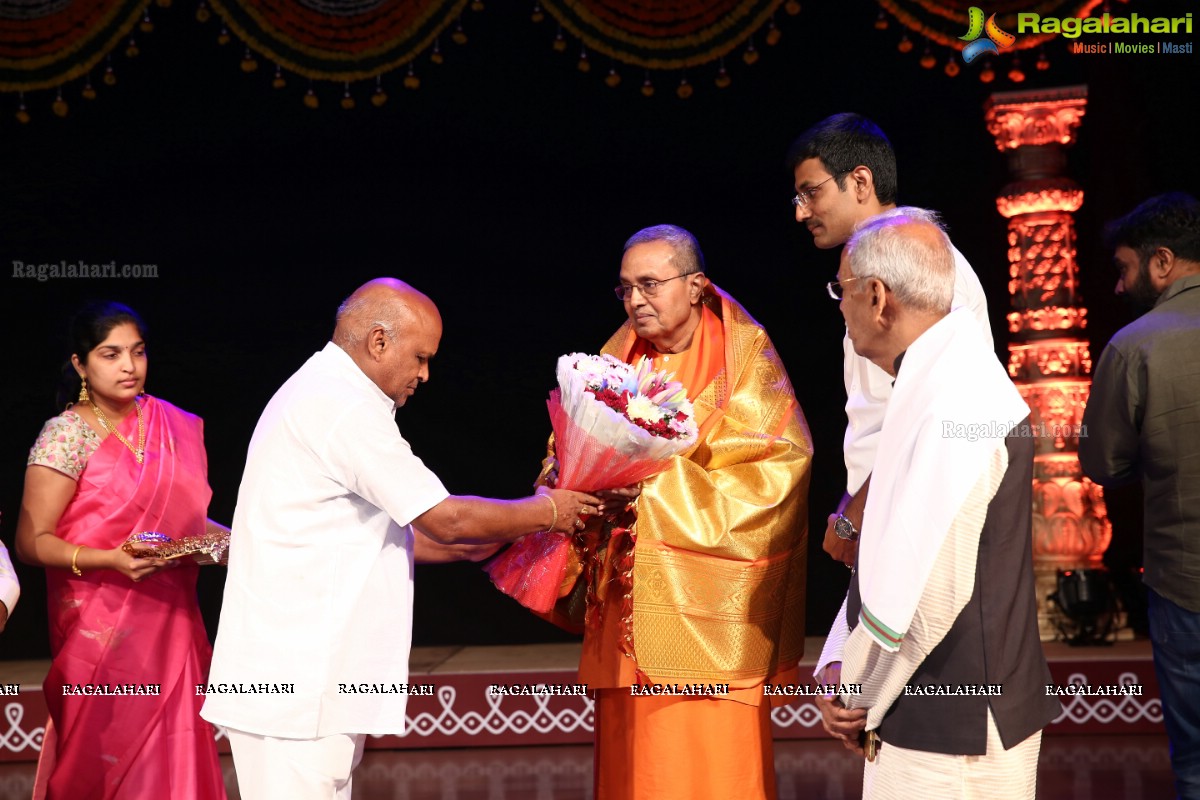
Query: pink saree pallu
(127, 657)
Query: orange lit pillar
(1049, 357)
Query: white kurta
(868, 387)
(899, 773)
(319, 590)
(918, 556)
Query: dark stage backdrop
(504, 188)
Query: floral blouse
(65, 444)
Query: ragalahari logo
(976, 27)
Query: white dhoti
(294, 769)
(901, 774)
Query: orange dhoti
(655, 747)
(682, 748)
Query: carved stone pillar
(1049, 356)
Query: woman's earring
(83, 392)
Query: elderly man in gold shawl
(693, 598)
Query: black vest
(994, 640)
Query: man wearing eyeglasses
(939, 626)
(845, 174)
(699, 586)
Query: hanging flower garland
(340, 42)
(967, 27)
(664, 35)
(45, 44)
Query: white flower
(641, 407)
(591, 368)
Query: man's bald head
(387, 303)
(391, 331)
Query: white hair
(357, 315)
(685, 250)
(919, 273)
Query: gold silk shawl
(720, 552)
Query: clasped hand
(845, 724)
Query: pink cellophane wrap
(597, 448)
(532, 570)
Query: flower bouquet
(615, 424)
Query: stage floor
(464, 744)
(1087, 767)
(462, 708)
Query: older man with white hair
(939, 627)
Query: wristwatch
(845, 529)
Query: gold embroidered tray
(210, 547)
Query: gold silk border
(945, 21)
(671, 34)
(62, 42)
(704, 620)
(721, 549)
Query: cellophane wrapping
(597, 447)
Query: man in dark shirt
(1143, 420)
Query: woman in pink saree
(128, 644)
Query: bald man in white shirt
(332, 511)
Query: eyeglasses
(805, 196)
(648, 288)
(835, 287)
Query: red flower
(619, 402)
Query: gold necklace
(140, 450)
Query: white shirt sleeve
(867, 391)
(10, 589)
(868, 387)
(376, 463)
(835, 643)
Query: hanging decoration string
(341, 42)
(45, 44)
(968, 32)
(669, 35)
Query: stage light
(1086, 606)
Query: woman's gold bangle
(75, 567)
